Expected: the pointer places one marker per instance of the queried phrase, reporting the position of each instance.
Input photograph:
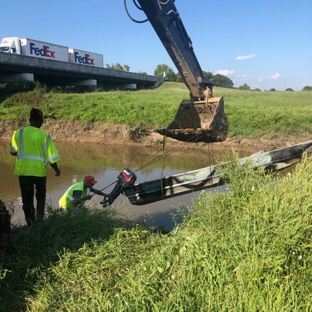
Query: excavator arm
(167, 23)
(202, 118)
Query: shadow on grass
(36, 248)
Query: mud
(104, 133)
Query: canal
(105, 162)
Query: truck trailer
(35, 48)
(85, 58)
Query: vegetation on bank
(246, 249)
(250, 114)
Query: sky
(265, 44)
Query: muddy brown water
(105, 162)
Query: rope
(160, 157)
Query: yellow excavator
(202, 117)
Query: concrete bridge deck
(53, 72)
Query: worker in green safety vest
(34, 150)
(78, 193)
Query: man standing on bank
(34, 150)
(78, 193)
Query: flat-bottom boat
(209, 177)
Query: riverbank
(244, 250)
(257, 120)
(104, 133)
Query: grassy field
(250, 113)
(248, 249)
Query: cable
(136, 21)
(160, 157)
(160, 4)
(135, 3)
(163, 3)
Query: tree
(257, 89)
(171, 76)
(179, 78)
(142, 73)
(208, 75)
(307, 88)
(244, 87)
(126, 68)
(163, 70)
(117, 66)
(272, 89)
(289, 89)
(222, 81)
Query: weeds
(244, 249)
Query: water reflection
(105, 162)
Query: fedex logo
(41, 52)
(87, 60)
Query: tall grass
(250, 113)
(246, 249)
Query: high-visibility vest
(66, 200)
(35, 150)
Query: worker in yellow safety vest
(78, 193)
(34, 150)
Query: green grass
(250, 114)
(253, 114)
(247, 249)
(143, 107)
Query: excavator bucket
(200, 121)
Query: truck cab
(11, 45)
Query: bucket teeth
(192, 136)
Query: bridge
(14, 67)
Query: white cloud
(225, 72)
(245, 57)
(275, 76)
(242, 77)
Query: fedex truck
(11, 45)
(34, 48)
(85, 58)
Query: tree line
(218, 80)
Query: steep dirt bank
(103, 133)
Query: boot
(30, 215)
(40, 210)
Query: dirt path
(103, 133)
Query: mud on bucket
(200, 121)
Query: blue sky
(266, 44)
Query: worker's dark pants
(27, 184)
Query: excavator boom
(202, 118)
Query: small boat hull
(209, 177)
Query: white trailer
(45, 50)
(85, 58)
(34, 48)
